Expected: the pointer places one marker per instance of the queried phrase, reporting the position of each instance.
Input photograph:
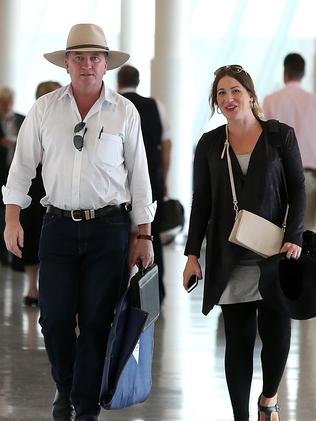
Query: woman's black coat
(262, 191)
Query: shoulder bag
(252, 231)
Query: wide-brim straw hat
(87, 37)
(289, 285)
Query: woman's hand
(192, 267)
(292, 250)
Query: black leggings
(240, 329)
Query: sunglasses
(233, 67)
(78, 139)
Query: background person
(31, 221)
(296, 107)
(156, 134)
(94, 170)
(232, 273)
(10, 123)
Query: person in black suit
(10, 123)
(268, 176)
(155, 129)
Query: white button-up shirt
(110, 169)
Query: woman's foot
(268, 409)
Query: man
(10, 123)
(156, 134)
(297, 108)
(89, 141)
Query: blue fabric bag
(127, 377)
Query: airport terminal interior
(177, 46)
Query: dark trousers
(83, 270)
(274, 329)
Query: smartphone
(193, 282)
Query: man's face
(86, 68)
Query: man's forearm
(12, 213)
(144, 229)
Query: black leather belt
(86, 215)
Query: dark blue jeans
(83, 270)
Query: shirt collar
(127, 90)
(293, 83)
(106, 95)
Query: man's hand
(142, 253)
(13, 233)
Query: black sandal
(268, 410)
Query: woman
(232, 273)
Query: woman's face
(233, 99)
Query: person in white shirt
(94, 170)
(296, 107)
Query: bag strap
(231, 176)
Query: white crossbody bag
(251, 231)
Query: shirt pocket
(110, 149)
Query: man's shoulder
(121, 101)
(276, 94)
(289, 90)
(55, 95)
(134, 96)
(114, 96)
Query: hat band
(76, 47)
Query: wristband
(145, 237)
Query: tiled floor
(188, 381)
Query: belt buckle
(89, 214)
(73, 218)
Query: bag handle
(232, 182)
